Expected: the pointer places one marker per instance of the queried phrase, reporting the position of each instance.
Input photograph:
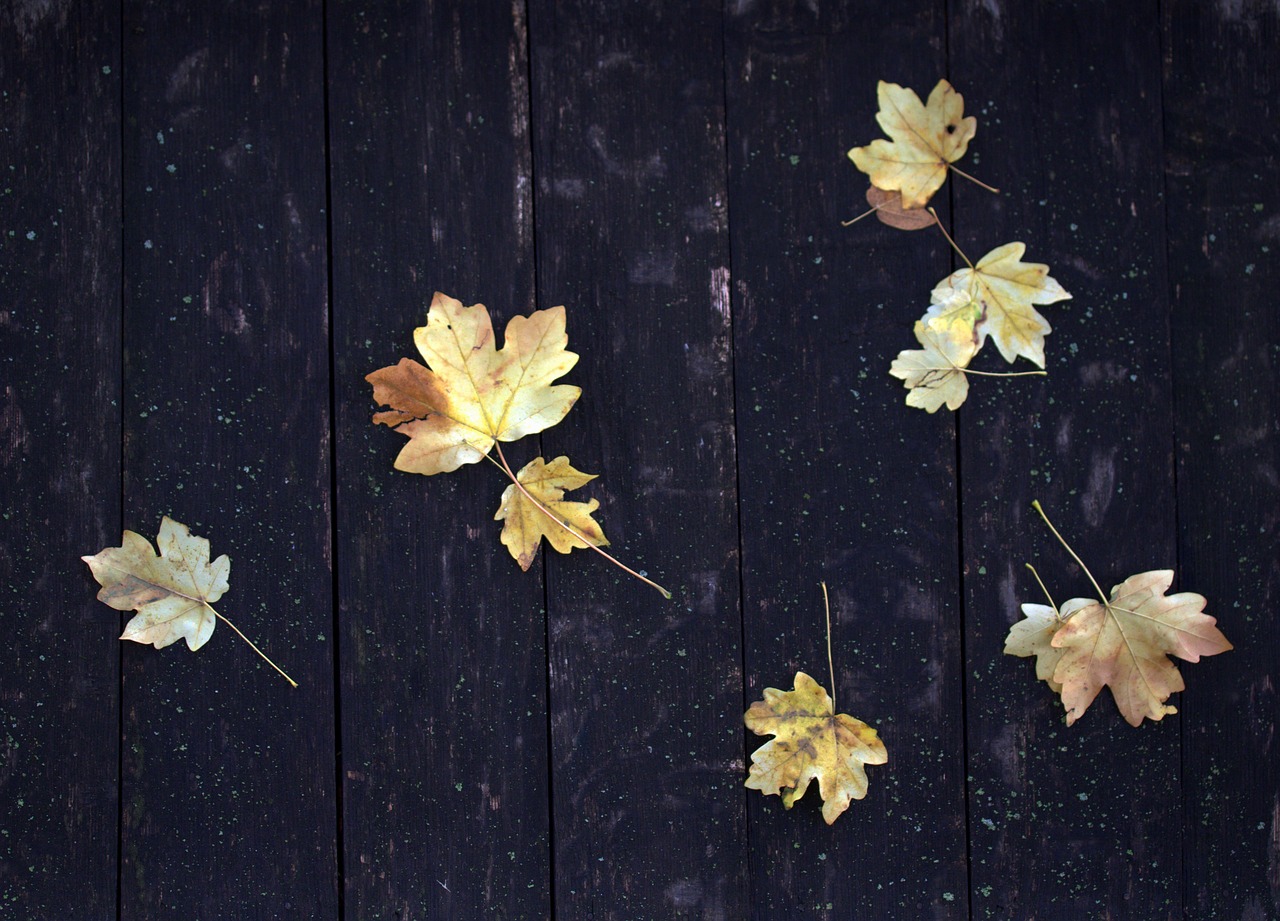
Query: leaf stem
(831, 667)
(251, 644)
(968, 370)
(938, 221)
(973, 180)
(1098, 588)
(1053, 604)
(872, 210)
(585, 540)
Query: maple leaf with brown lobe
(927, 139)
(812, 741)
(570, 525)
(471, 394)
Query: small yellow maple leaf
(1005, 288)
(935, 375)
(1125, 643)
(812, 741)
(927, 138)
(472, 394)
(526, 524)
(171, 592)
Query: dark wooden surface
(216, 219)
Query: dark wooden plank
(1067, 823)
(631, 237)
(59, 456)
(443, 664)
(841, 481)
(1222, 141)
(229, 781)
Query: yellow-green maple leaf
(812, 741)
(526, 524)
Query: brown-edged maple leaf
(927, 139)
(812, 741)
(526, 524)
(1125, 644)
(172, 592)
(1005, 289)
(472, 394)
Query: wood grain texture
(841, 481)
(1067, 823)
(1222, 135)
(59, 457)
(443, 657)
(229, 791)
(645, 693)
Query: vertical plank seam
(1163, 49)
(120, 139)
(962, 595)
(737, 463)
(335, 597)
(532, 128)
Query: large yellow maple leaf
(1123, 643)
(172, 592)
(927, 138)
(812, 741)
(569, 525)
(472, 394)
(1005, 288)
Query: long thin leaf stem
(831, 667)
(1036, 505)
(999, 373)
(872, 210)
(585, 540)
(251, 644)
(1053, 604)
(954, 246)
(979, 182)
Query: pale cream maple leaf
(926, 139)
(1005, 289)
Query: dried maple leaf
(1005, 288)
(472, 394)
(935, 375)
(812, 741)
(526, 524)
(173, 592)
(927, 138)
(1122, 642)
(1125, 643)
(888, 208)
